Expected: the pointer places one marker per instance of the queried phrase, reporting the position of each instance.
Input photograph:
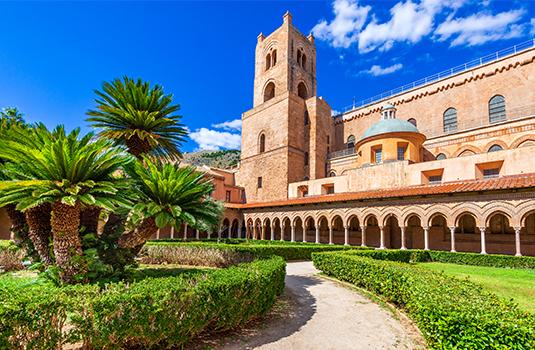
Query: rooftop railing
(342, 153)
(444, 74)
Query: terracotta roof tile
(499, 183)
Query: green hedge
(151, 313)
(288, 250)
(451, 313)
(492, 260)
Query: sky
(53, 55)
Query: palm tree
(10, 116)
(70, 173)
(169, 195)
(134, 114)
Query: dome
(389, 125)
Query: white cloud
(532, 26)
(480, 28)
(349, 18)
(229, 125)
(208, 139)
(377, 70)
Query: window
(495, 148)
(351, 141)
(327, 189)
(268, 61)
(307, 120)
(490, 173)
(401, 152)
(227, 196)
(328, 140)
(435, 179)
(299, 57)
(440, 156)
(497, 109)
(269, 91)
(274, 57)
(306, 158)
(259, 182)
(262, 143)
(413, 121)
(332, 174)
(377, 155)
(450, 120)
(302, 90)
(304, 62)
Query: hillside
(219, 159)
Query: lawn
(516, 284)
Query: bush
(406, 256)
(154, 312)
(11, 257)
(288, 250)
(193, 255)
(492, 260)
(451, 313)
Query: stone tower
(286, 135)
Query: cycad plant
(140, 116)
(69, 172)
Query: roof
(495, 184)
(385, 126)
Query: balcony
(343, 153)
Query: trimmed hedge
(451, 313)
(492, 260)
(151, 313)
(288, 250)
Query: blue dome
(389, 125)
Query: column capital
(517, 228)
(482, 228)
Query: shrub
(406, 256)
(492, 260)
(193, 255)
(154, 312)
(451, 313)
(11, 257)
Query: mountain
(218, 159)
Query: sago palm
(69, 172)
(140, 116)
(168, 196)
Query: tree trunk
(137, 147)
(67, 244)
(89, 218)
(140, 235)
(38, 219)
(19, 228)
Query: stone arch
(524, 214)
(369, 214)
(351, 216)
(500, 143)
(439, 209)
(405, 217)
(467, 150)
(391, 213)
(523, 141)
(430, 218)
(234, 228)
(488, 210)
(302, 90)
(269, 91)
(468, 208)
(490, 215)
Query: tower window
(306, 158)
(262, 143)
(304, 62)
(259, 182)
(268, 61)
(307, 121)
(497, 109)
(413, 121)
(227, 196)
(495, 148)
(302, 90)
(450, 120)
(378, 155)
(401, 152)
(299, 57)
(440, 156)
(269, 91)
(351, 142)
(274, 57)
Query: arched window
(497, 109)
(262, 143)
(304, 62)
(268, 61)
(302, 90)
(332, 174)
(307, 121)
(351, 141)
(269, 91)
(440, 156)
(450, 120)
(274, 57)
(306, 158)
(495, 148)
(413, 121)
(299, 57)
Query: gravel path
(324, 314)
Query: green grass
(515, 284)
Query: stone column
(172, 232)
(282, 232)
(483, 243)
(158, 234)
(452, 236)
(219, 233)
(292, 234)
(331, 234)
(304, 232)
(317, 233)
(517, 241)
(363, 236)
(239, 229)
(185, 232)
(426, 238)
(403, 228)
(197, 234)
(272, 233)
(346, 234)
(209, 234)
(382, 228)
(263, 232)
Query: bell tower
(279, 134)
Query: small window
(378, 155)
(299, 57)
(304, 193)
(306, 159)
(262, 144)
(268, 61)
(413, 121)
(490, 173)
(351, 141)
(328, 140)
(440, 156)
(302, 91)
(495, 148)
(435, 179)
(401, 152)
(497, 109)
(269, 92)
(304, 62)
(332, 174)
(307, 120)
(330, 190)
(450, 120)
(228, 196)
(259, 182)
(274, 57)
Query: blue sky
(53, 55)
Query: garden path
(323, 314)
